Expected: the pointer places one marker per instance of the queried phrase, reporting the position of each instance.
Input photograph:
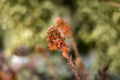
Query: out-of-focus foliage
(99, 26)
(96, 25)
(26, 22)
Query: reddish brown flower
(63, 26)
(57, 41)
(52, 47)
(60, 23)
(65, 55)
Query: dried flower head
(57, 41)
(40, 50)
(63, 26)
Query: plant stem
(81, 66)
(73, 68)
(74, 45)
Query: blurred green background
(95, 25)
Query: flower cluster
(63, 26)
(57, 41)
